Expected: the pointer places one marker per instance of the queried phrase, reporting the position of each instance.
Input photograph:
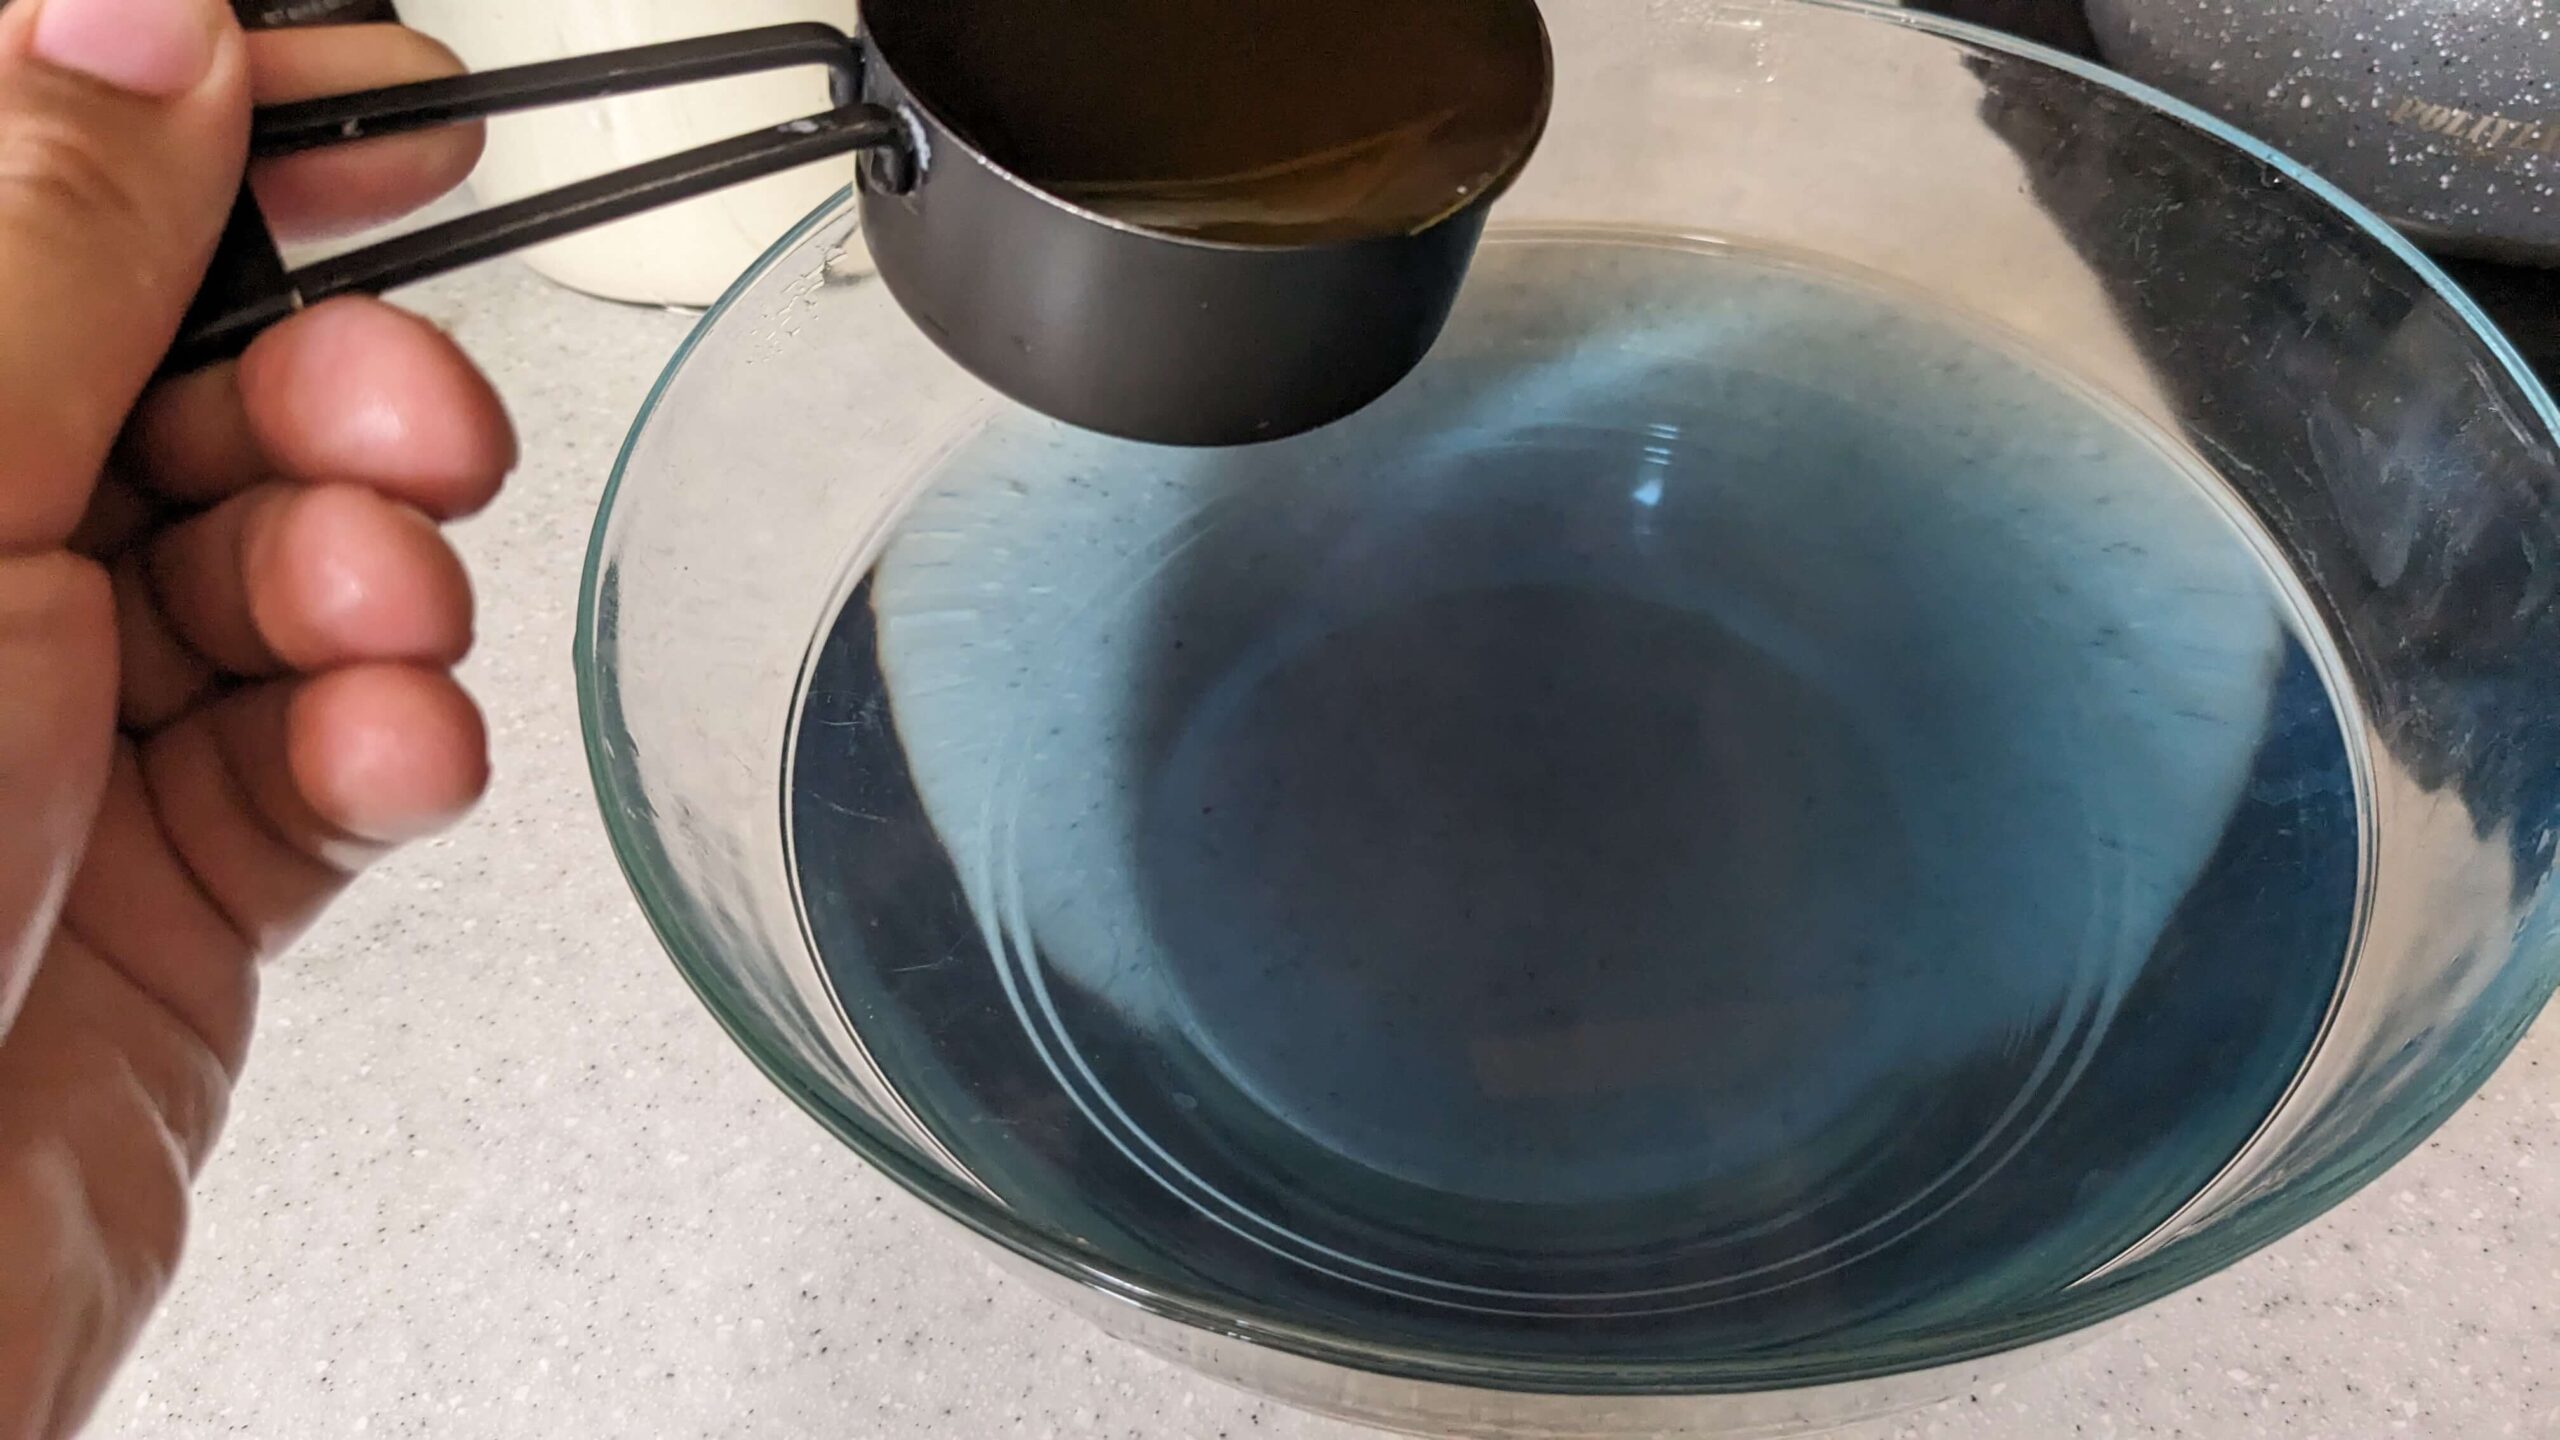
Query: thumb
(123, 130)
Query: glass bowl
(2051, 599)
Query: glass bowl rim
(2134, 1289)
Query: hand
(227, 622)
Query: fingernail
(154, 48)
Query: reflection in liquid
(1729, 810)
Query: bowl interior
(1978, 608)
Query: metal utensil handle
(247, 288)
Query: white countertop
(496, 1175)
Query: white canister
(685, 254)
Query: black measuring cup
(1167, 221)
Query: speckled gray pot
(2442, 114)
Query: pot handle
(247, 288)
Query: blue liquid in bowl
(1733, 813)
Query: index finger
(354, 187)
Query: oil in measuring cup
(1270, 122)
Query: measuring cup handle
(248, 288)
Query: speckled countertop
(496, 1175)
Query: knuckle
(54, 171)
(149, 1224)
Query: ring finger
(284, 578)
